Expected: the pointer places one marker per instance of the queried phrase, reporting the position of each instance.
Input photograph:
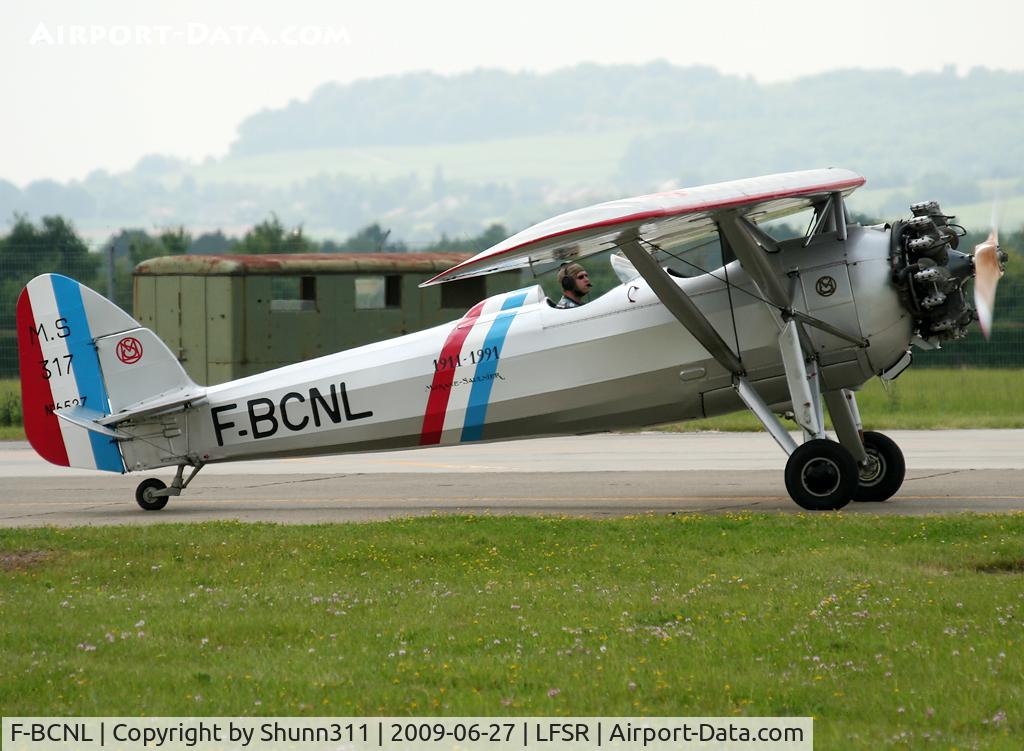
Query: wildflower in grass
(85, 647)
(999, 718)
(553, 692)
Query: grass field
(889, 631)
(933, 398)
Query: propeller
(988, 268)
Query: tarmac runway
(598, 476)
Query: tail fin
(82, 356)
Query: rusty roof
(286, 264)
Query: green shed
(235, 315)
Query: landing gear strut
(152, 494)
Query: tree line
(52, 245)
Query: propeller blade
(987, 271)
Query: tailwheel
(145, 494)
(821, 475)
(882, 475)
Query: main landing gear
(152, 494)
(825, 475)
(821, 475)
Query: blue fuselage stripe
(85, 365)
(486, 370)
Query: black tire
(144, 498)
(884, 476)
(821, 475)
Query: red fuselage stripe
(441, 386)
(41, 425)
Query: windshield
(692, 257)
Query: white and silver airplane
(778, 327)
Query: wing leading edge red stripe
(41, 425)
(659, 213)
(441, 386)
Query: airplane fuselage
(514, 366)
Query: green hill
(425, 154)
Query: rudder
(65, 332)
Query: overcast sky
(100, 86)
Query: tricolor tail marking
(60, 370)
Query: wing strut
(687, 313)
(829, 216)
(751, 254)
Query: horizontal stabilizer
(88, 420)
(189, 395)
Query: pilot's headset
(567, 274)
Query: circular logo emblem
(129, 350)
(825, 286)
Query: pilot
(575, 283)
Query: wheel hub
(872, 470)
(820, 477)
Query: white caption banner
(406, 733)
